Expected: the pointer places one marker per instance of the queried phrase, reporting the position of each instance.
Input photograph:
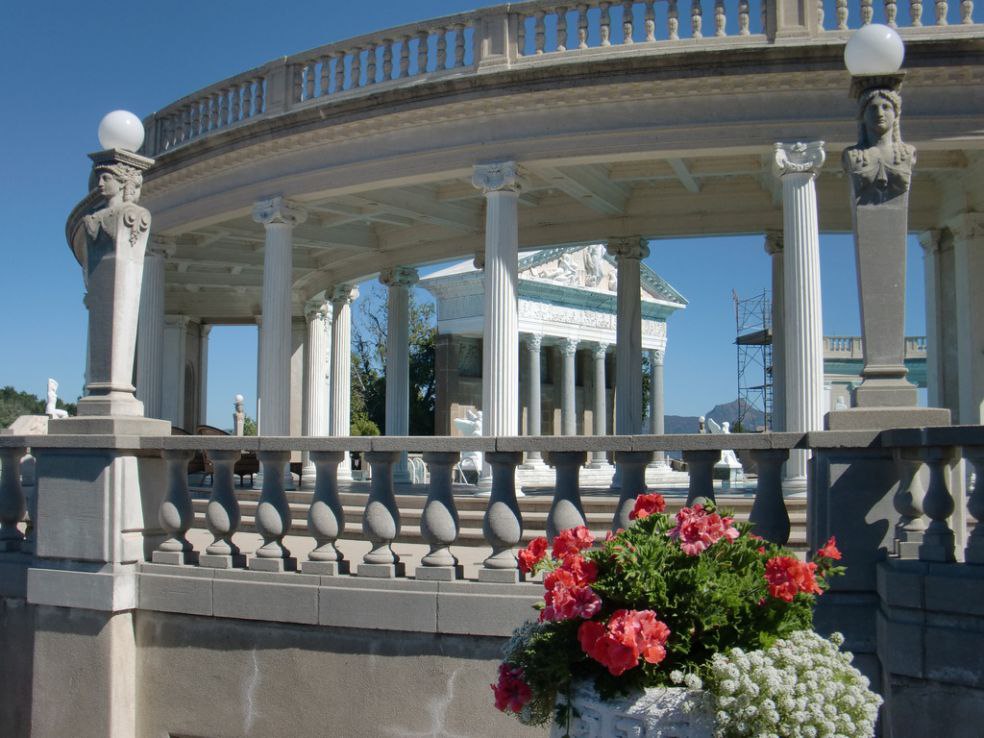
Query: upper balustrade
(517, 34)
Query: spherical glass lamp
(121, 129)
(873, 50)
(239, 399)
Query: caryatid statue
(108, 233)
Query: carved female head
(118, 182)
(879, 111)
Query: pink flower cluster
(697, 530)
(568, 595)
(646, 505)
(788, 576)
(628, 635)
(511, 692)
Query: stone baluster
(867, 11)
(326, 518)
(339, 71)
(673, 20)
(325, 80)
(744, 18)
(605, 26)
(719, 18)
(632, 469)
(371, 60)
(355, 71)
(974, 553)
(459, 45)
(842, 14)
(540, 31)
(941, 11)
(381, 519)
(387, 59)
(650, 22)
(236, 110)
(908, 503)
(627, 22)
(582, 26)
(222, 514)
(566, 510)
(175, 514)
(769, 517)
(561, 13)
(520, 35)
(259, 99)
(441, 57)
(568, 411)
(700, 466)
(966, 12)
(439, 521)
(938, 540)
(206, 114)
(533, 418)
(915, 12)
(404, 70)
(194, 122)
(273, 515)
(891, 10)
(309, 80)
(225, 106)
(422, 38)
(186, 122)
(598, 353)
(502, 525)
(12, 502)
(696, 19)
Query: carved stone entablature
(880, 165)
(586, 267)
(344, 294)
(773, 242)
(278, 210)
(628, 248)
(104, 224)
(401, 276)
(798, 158)
(503, 175)
(967, 227)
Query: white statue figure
(728, 458)
(594, 270)
(470, 425)
(565, 272)
(51, 407)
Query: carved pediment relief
(586, 268)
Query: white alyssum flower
(801, 687)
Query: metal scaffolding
(753, 329)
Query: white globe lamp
(121, 129)
(239, 399)
(874, 50)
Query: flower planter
(659, 712)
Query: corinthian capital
(278, 210)
(502, 175)
(773, 242)
(317, 308)
(798, 158)
(402, 276)
(568, 346)
(634, 247)
(344, 294)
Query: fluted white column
(968, 258)
(656, 424)
(797, 165)
(173, 372)
(533, 418)
(279, 217)
(568, 416)
(773, 247)
(204, 331)
(500, 184)
(341, 367)
(598, 353)
(317, 362)
(628, 350)
(150, 328)
(398, 281)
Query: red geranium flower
(829, 550)
(788, 576)
(512, 692)
(646, 505)
(533, 554)
(583, 571)
(572, 541)
(628, 635)
(698, 530)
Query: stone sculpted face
(109, 186)
(879, 117)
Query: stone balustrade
(518, 34)
(852, 347)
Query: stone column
(398, 281)
(204, 331)
(317, 360)
(279, 217)
(598, 353)
(657, 427)
(568, 411)
(942, 380)
(628, 349)
(341, 367)
(773, 247)
(258, 319)
(533, 420)
(150, 328)
(173, 371)
(500, 184)
(797, 165)
(968, 257)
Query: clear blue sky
(68, 63)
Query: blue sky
(69, 63)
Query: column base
(275, 565)
(325, 568)
(439, 573)
(794, 487)
(882, 418)
(175, 558)
(879, 393)
(382, 571)
(222, 561)
(501, 576)
(125, 425)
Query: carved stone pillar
(500, 184)
(773, 247)
(317, 362)
(628, 349)
(398, 281)
(598, 353)
(533, 419)
(968, 257)
(797, 165)
(341, 368)
(568, 411)
(150, 327)
(278, 217)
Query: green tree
(13, 404)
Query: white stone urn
(658, 712)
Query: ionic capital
(534, 341)
(798, 158)
(599, 351)
(634, 247)
(401, 276)
(773, 243)
(278, 210)
(344, 294)
(568, 346)
(162, 246)
(930, 240)
(498, 176)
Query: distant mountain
(727, 412)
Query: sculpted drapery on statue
(880, 164)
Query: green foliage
(249, 426)
(13, 404)
(362, 426)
